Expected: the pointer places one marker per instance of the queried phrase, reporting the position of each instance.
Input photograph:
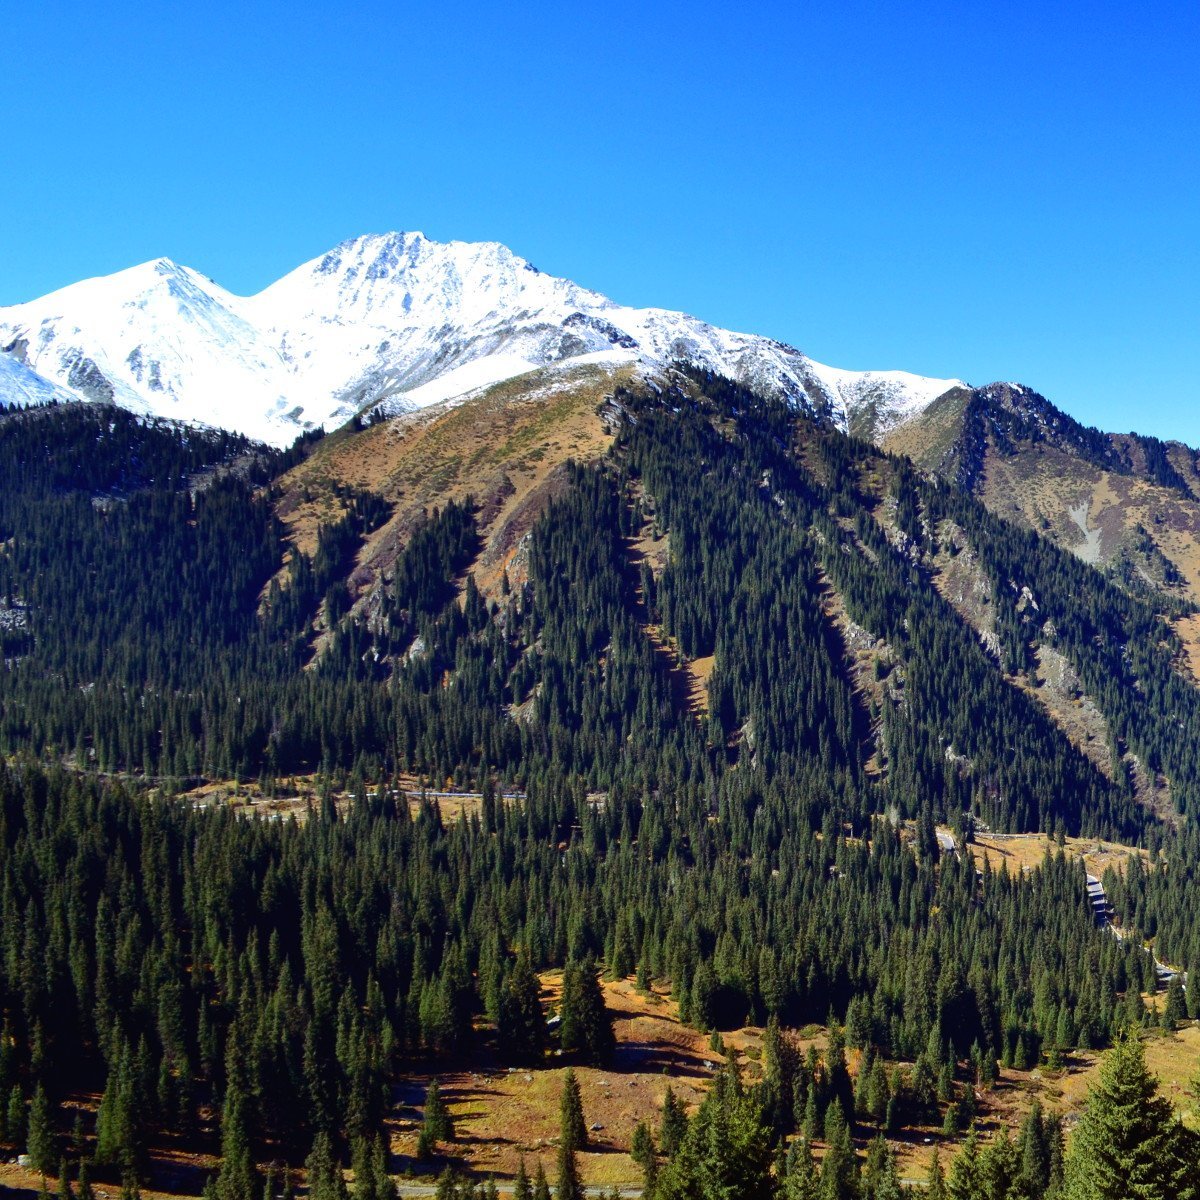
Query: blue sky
(990, 191)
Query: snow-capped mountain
(389, 318)
(20, 385)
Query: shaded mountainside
(1126, 503)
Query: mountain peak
(390, 317)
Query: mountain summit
(386, 319)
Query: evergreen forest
(258, 990)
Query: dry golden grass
(502, 1115)
(504, 446)
(1188, 631)
(1027, 851)
(296, 795)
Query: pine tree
(966, 1181)
(568, 1185)
(937, 1180)
(839, 1168)
(674, 1124)
(385, 1185)
(801, 1180)
(585, 1027)
(571, 1124)
(521, 1027)
(642, 1152)
(65, 1191)
(237, 1179)
(325, 1178)
(1127, 1141)
(438, 1125)
(521, 1188)
(1000, 1166)
(541, 1189)
(1175, 1005)
(727, 1150)
(572, 1136)
(40, 1140)
(881, 1180)
(362, 1163)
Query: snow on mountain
(872, 403)
(391, 317)
(20, 385)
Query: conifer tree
(521, 1026)
(521, 1186)
(65, 1191)
(1175, 1005)
(839, 1167)
(1127, 1143)
(801, 1180)
(362, 1163)
(325, 1178)
(571, 1124)
(966, 1181)
(642, 1152)
(727, 1149)
(40, 1141)
(585, 1027)
(438, 1125)
(237, 1179)
(674, 1123)
(936, 1189)
(568, 1185)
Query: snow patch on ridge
(386, 317)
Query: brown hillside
(505, 445)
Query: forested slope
(186, 964)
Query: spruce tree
(1175, 1005)
(568, 1185)
(40, 1141)
(571, 1124)
(385, 1185)
(541, 1189)
(801, 1180)
(839, 1167)
(325, 1178)
(572, 1136)
(642, 1152)
(1127, 1141)
(237, 1179)
(585, 1027)
(521, 1186)
(936, 1189)
(521, 1027)
(438, 1125)
(674, 1124)
(966, 1181)
(65, 1191)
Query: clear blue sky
(991, 191)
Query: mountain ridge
(392, 319)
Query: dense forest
(259, 988)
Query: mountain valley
(493, 683)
